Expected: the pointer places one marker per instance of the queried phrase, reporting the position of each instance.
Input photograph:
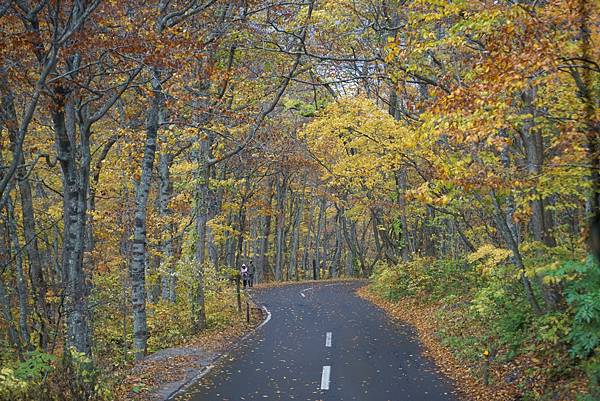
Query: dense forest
(148, 149)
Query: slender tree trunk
(512, 243)
(320, 224)
(139, 251)
(401, 185)
(337, 257)
(13, 336)
(38, 283)
(202, 204)
(293, 269)
(350, 236)
(75, 190)
(533, 142)
(349, 261)
(230, 245)
(242, 224)
(307, 245)
(280, 222)
(22, 290)
(90, 240)
(378, 247)
(164, 195)
(214, 207)
(263, 266)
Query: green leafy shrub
(581, 282)
(26, 378)
(427, 277)
(390, 282)
(45, 377)
(168, 323)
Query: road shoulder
(165, 373)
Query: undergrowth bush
(432, 278)
(45, 377)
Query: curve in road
(325, 343)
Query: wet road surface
(325, 343)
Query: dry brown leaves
(149, 375)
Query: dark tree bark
(38, 283)
(263, 266)
(401, 188)
(165, 192)
(75, 190)
(295, 241)
(279, 224)
(139, 251)
(320, 224)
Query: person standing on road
(244, 273)
(252, 271)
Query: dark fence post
(314, 269)
(247, 312)
(239, 296)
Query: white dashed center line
(328, 339)
(325, 377)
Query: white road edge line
(265, 321)
(328, 339)
(208, 368)
(306, 289)
(325, 377)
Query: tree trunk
(349, 263)
(280, 222)
(230, 245)
(139, 251)
(75, 190)
(401, 186)
(337, 257)
(5, 302)
(350, 236)
(214, 206)
(38, 283)
(22, 290)
(13, 336)
(293, 269)
(320, 224)
(509, 237)
(305, 253)
(242, 225)
(165, 192)
(534, 150)
(263, 266)
(202, 204)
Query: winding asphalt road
(325, 343)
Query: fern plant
(582, 293)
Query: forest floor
(162, 374)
